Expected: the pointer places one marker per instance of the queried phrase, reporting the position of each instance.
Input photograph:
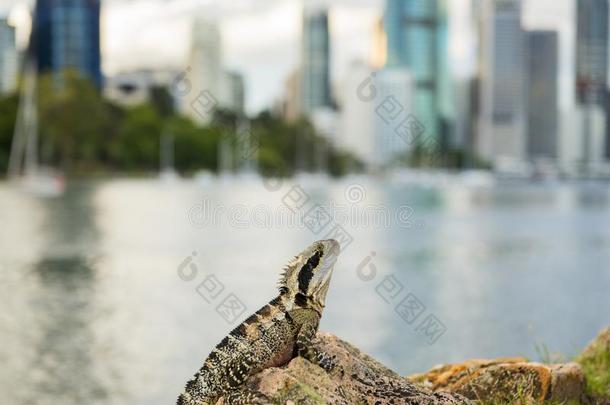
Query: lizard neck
(302, 304)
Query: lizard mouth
(321, 295)
(334, 248)
(332, 253)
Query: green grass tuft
(596, 366)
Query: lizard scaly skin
(281, 330)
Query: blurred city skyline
(157, 35)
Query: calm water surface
(92, 309)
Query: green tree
(82, 132)
(286, 148)
(195, 148)
(74, 121)
(136, 144)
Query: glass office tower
(315, 79)
(66, 34)
(417, 39)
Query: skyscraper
(542, 94)
(8, 58)
(502, 122)
(607, 134)
(591, 50)
(236, 91)
(205, 71)
(66, 34)
(356, 133)
(315, 70)
(417, 39)
(291, 104)
(591, 69)
(395, 87)
(445, 83)
(208, 85)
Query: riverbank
(515, 380)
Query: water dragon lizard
(281, 330)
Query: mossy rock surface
(508, 380)
(358, 379)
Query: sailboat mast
(31, 122)
(26, 126)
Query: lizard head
(307, 276)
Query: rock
(507, 379)
(359, 379)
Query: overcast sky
(261, 37)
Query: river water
(115, 292)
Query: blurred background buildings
(507, 113)
(542, 94)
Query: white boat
(477, 178)
(44, 183)
(204, 178)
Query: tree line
(80, 132)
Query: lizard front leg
(307, 347)
(246, 396)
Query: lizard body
(271, 337)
